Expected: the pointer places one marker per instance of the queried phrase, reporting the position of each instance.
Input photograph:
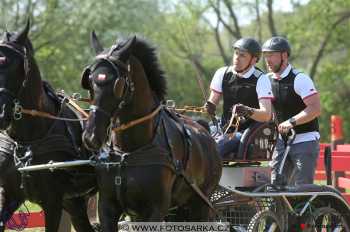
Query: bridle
(8, 93)
(128, 85)
(128, 90)
(18, 110)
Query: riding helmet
(276, 44)
(249, 45)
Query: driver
(244, 88)
(297, 105)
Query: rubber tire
(322, 211)
(259, 216)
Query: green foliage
(181, 32)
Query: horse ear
(22, 36)
(118, 88)
(95, 43)
(126, 50)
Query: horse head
(16, 68)
(109, 81)
(118, 80)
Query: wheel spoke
(273, 227)
(327, 219)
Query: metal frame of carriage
(246, 200)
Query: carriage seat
(256, 144)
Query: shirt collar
(246, 74)
(285, 73)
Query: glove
(244, 111)
(210, 108)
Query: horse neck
(30, 128)
(142, 104)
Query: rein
(191, 109)
(36, 113)
(137, 121)
(235, 125)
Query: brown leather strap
(43, 114)
(37, 113)
(137, 121)
(77, 107)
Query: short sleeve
(263, 88)
(304, 86)
(216, 82)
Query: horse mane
(147, 55)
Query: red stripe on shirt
(216, 91)
(310, 95)
(266, 98)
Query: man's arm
(312, 110)
(211, 103)
(305, 89)
(214, 97)
(263, 114)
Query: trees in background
(193, 38)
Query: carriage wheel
(326, 219)
(265, 221)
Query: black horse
(37, 140)
(160, 159)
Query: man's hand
(284, 127)
(243, 111)
(210, 108)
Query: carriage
(248, 202)
(179, 157)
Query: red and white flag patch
(2, 60)
(101, 77)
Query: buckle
(118, 180)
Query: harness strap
(198, 191)
(37, 113)
(77, 107)
(48, 115)
(179, 169)
(137, 121)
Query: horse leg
(155, 212)
(198, 210)
(53, 212)
(76, 207)
(7, 210)
(2, 204)
(109, 213)
(156, 215)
